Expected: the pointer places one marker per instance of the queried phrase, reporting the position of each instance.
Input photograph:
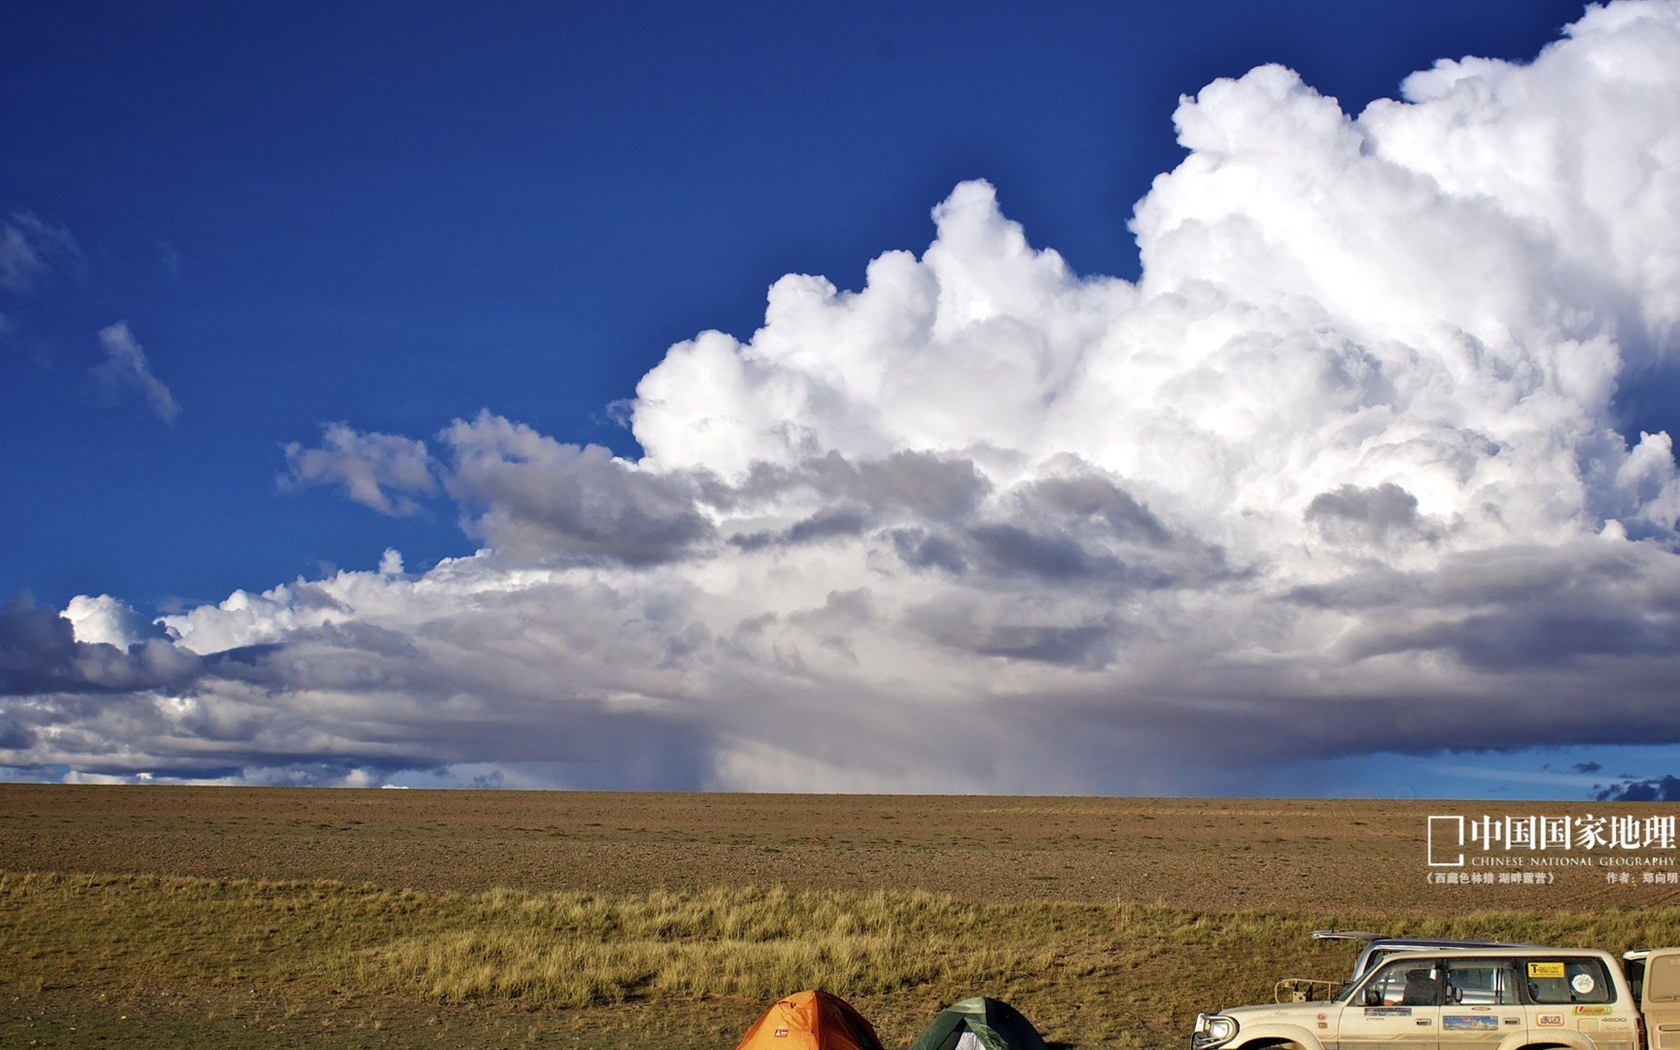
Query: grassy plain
(221, 917)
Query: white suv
(1459, 999)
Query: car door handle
(1424, 1021)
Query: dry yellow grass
(251, 918)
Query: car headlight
(1213, 1030)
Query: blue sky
(396, 214)
(231, 227)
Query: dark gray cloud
(1089, 646)
(1658, 789)
(841, 522)
(921, 549)
(37, 646)
(1076, 529)
(904, 492)
(539, 498)
(1011, 549)
(39, 654)
(1010, 629)
(1081, 526)
(830, 522)
(931, 488)
(1518, 607)
(1374, 514)
(1099, 499)
(918, 485)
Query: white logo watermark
(1551, 842)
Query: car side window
(1557, 981)
(1480, 982)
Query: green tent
(980, 1023)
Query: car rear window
(1556, 981)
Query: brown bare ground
(1353, 862)
(1309, 857)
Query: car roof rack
(1345, 935)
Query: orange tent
(810, 1021)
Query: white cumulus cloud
(1341, 474)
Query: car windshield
(1345, 994)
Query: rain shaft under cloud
(1343, 473)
